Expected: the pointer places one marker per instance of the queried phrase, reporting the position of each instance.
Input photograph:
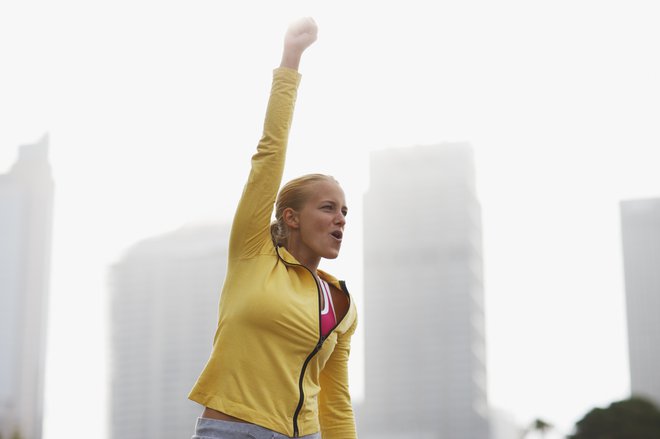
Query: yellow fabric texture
(269, 315)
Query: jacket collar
(289, 259)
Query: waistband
(218, 429)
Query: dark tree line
(633, 418)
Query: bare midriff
(210, 413)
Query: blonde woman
(279, 363)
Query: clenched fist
(300, 35)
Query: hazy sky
(154, 109)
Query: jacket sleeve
(335, 408)
(251, 224)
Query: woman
(278, 368)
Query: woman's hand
(300, 35)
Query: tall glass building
(640, 222)
(425, 367)
(26, 216)
(164, 296)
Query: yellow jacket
(269, 364)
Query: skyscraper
(26, 206)
(164, 301)
(425, 372)
(640, 221)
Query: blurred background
(500, 165)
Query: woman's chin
(331, 255)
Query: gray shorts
(217, 429)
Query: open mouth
(337, 234)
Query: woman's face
(322, 220)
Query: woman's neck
(304, 256)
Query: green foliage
(538, 425)
(634, 418)
(541, 425)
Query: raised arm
(251, 226)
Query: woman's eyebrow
(334, 203)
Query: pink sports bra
(328, 317)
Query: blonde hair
(293, 194)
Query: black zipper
(317, 348)
(319, 344)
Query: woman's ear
(291, 218)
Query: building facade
(425, 368)
(640, 222)
(26, 216)
(164, 296)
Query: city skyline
(152, 127)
